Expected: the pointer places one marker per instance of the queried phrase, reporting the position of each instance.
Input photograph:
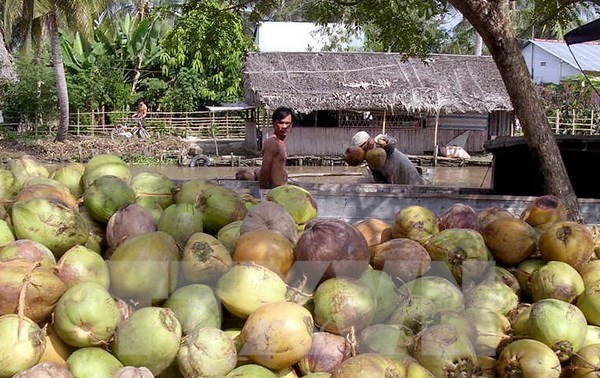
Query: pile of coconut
(107, 275)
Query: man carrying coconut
(397, 168)
(274, 154)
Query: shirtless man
(272, 171)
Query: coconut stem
(23, 295)
(351, 341)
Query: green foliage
(209, 43)
(33, 96)
(573, 95)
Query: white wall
(553, 70)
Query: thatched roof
(7, 66)
(309, 81)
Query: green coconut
(145, 267)
(22, 344)
(415, 222)
(86, 315)
(154, 209)
(251, 371)
(41, 286)
(524, 273)
(93, 362)
(443, 293)
(155, 188)
(369, 365)
(589, 303)
(181, 221)
(25, 167)
(28, 250)
(6, 234)
(204, 259)
(194, 306)
(49, 222)
(8, 187)
(220, 206)
(388, 340)
(297, 201)
(150, 338)
(493, 296)
(558, 280)
(188, 191)
(463, 250)
(54, 191)
(105, 165)
(70, 176)
(229, 235)
(206, 352)
(106, 195)
(528, 358)
(383, 289)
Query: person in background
(140, 115)
(272, 172)
(398, 169)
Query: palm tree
(24, 21)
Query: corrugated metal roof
(587, 54)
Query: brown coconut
(326, 354)
(511, 240)
(404, 259)
(57, 192)
(46, 370)
(375, 231)
(543, 211)
(569, 242)
(415, 222)
(330, 248)
(354, 156)
(492, 213)
(272, 216)
(459, 215)
(28, 250)
(376, 157)
(245, 174)
(133, 372)
(128, 221)
(57, 351)
(42, 289)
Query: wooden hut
(423, 103)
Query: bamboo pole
(435, 138)
(383, 126)
(557, 121)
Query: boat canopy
(584, 33)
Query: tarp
(584, 33)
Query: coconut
(463, 250)
(29, 250)
(297, 201)
(251, 371)
(558, 280)
(528, 359)
(56, 191)
(492, 330)
(153, 189)
(229, 235)
(39, 284)
(105, 165)
(268, 248)
(375, 231)
(493, 296)
(519, 319)
(326, 353)
(245, 287)
(188, 191)
(6, 234)
(154, 209)
(86, 315)
(589, 303)
(25, 167)
(376, 157)
(70, 176)
(56, 351)
(413, 312)
(133, 372)
(559, 325)
(459, 215)
(249, 200)
(442, 293)
(150, 338)
(498, 273)
(383, 289)
(586, 363)
(277, 335)
(404, 259)
(543, 211)
(81, 264)
(45, 370)
(592, 335)
(354, 156)
(181, 221)
(369, 365)
(105, 196)
(569, 242)
(388, 340)
(97, 234)
(590, 272)
(49, 222)
(329, 248)
(270, 216)
(245, 174)
(415, 222)
(204, 259)
(490, 214)
(8, 188)
(510, 240)
(93, 361)
(128, 221)
(195, 306)
(145, 267)
(445, 352)
(206, 352)
(22, 344)
(524, 273)
(341, 304)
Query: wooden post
(92, 121)
(383, 125)
(78, 121)
(557, 124)
(592, 122)
(573, 123)
(435, 138)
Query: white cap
(360, 138)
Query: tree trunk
(491, 19)
(61, 80)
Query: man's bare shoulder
(273, 144)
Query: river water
(466, 177)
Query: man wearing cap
(398, 169)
